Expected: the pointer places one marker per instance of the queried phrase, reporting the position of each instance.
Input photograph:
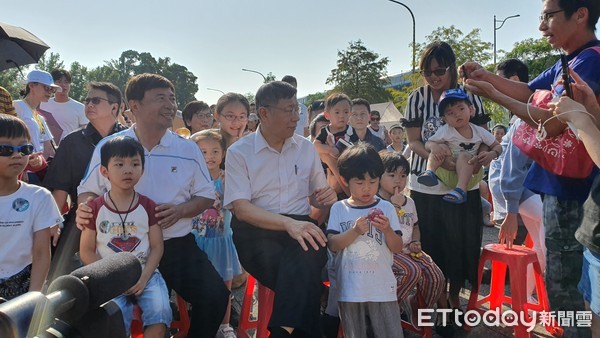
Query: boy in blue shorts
(124, 220)
(364, 232)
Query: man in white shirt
(68, 113)
(271, 176)
(176, 178)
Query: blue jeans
(154, 302)
(589, 285)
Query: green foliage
(360, 73)
(310, 98)
(497, 113)
(270, 77)
(467, 47)
(536, 53)
(249, 96)
(400, 97)
(117, 71)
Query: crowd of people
(296, 196)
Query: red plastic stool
(265, 308)
(182, 325)
(425, 331)
(516, 259)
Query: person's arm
(588, 132)
(41, 259)
(415, 143)
(87, 246)
(415, 243)
(156, 251)
(515, 89)
(301, 231)
(168, 214)
(60, 197)
(340, 241)
(553, 126)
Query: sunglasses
(375, 118)
(436, 72)
(7, 150)
(47, 89)
(95, 100)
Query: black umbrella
(19, 47)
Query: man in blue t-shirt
(568, 25)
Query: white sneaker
(226, 332)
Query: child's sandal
(427, 178)
(456, 196)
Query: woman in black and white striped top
(450, 233)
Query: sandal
(456, 196)
(427, 178)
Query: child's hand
(414, 247)
(361, 226)
(397, 198)
(138, 288)
(36, 160)
(382, 223)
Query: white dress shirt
(278, 182)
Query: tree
(360, 73)
(50, 62)
(310, 98)
(469, 47)
(536, 53)
(270, 77)
(78, 81)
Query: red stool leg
(245, 323)
(497, 284)
(518, 291)
(265, 309)
(137, 328)
(183, 324)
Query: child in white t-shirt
(364, 232)
(458, 140)
(26, 214)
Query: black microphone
(70, 297)
(109, 277)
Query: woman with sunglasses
(450, 233)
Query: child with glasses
(231, 113)
(458, 140)
(26, 214)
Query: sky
(215, 39)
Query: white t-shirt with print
(29, 209)
(364, 268)
(38, 135)
(408, 220)
(457, 142)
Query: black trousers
(278, 262)
(187, 270)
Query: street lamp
(254, 71)
(497, 28)
(216, 90)
(414, 43)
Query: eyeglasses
(544, 17)
(204, 116)
(48, 89)
(288, 111)
(95, 100)
(436, 72)
(375, 119)
(231, 118)
(7, 150)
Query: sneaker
(226, 332)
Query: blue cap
(452, 95)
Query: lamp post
(216, 90)
(254, 71)
(414, 41)
(497, 28)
